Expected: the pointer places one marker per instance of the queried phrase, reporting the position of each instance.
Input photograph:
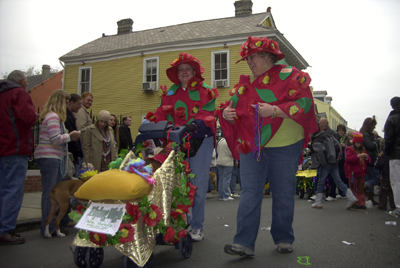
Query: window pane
(224, 74)
(224, 58)
(217, 75)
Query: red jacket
(354, 165)
(17, 115)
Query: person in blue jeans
(235, 178)
(266, 128)
(18, 116)
(325, 151)
(225, 167)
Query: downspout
(63, 75)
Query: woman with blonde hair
(113, 123)
(98, 143)
(51, 153)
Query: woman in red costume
(191, 102)
(269, 118)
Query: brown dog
(59, 200)
(213, 180)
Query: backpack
(333, 150)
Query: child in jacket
(356, 167)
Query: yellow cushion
(113, 184)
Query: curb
(28, 225)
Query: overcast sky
(352, 46)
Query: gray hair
(16, 76)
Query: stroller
(306, 178)
(171, 180)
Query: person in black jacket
(371, 144)
(125, 136)
(392, 149)
(74, 147)
(382, 164)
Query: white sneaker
(329, 198)
(197, 235)
(340, 197)
(226, 199)
(312, 197)
(235, 195)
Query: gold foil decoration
(142, 247)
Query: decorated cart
(132, 208)
(306, 178)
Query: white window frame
(80, 77)
(145, 60)
(213, 53)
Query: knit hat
(395, 103)
(358, 137)
(184, 58)
(104, 116)
(254, 45)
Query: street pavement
(328, 237)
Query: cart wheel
(95, 257)
(301, 193)
(186, 246)
(80, 257)
(128, 263)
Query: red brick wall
(33, 182)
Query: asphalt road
(319, 241)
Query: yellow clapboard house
(124, 71)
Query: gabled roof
(192, 35)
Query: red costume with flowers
(195, 104)
(283, 86)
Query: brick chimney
(45, 71)
(243, 8)
(125, 26)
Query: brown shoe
(10, 239)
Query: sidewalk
(30, 215)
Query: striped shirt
(50, 138)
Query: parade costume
(268, 147)
(194, 107)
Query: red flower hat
(254, 45)
(184, 58)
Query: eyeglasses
(187, 69)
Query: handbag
(195, 144)
(70, 167)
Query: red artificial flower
(250, 108)
(167, 109)
(146, 144)
(169, 235)
(213, 93)
(180, 210)
(180, 235)
(242, 91)
(210, 121)
(180, 112)
(243, 147)
(268, 79)
(98, 239)
(152, 218)
(302, 80)
(273, 46)
(127, 233)
(186, 146)
(79, 209)
(163, 91)
(187, 165)
(292, 92)
(233, 91)
(151, 116)
(192, 190)
(194, 83)
(133, 211)
(294, 110)
(196, 108)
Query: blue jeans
(200, 165)
(78, 167)
(235, 178)
(280, 166)
(333, 170)
(12, 185)
(50, 169)
(372, 178)
(225, 174)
